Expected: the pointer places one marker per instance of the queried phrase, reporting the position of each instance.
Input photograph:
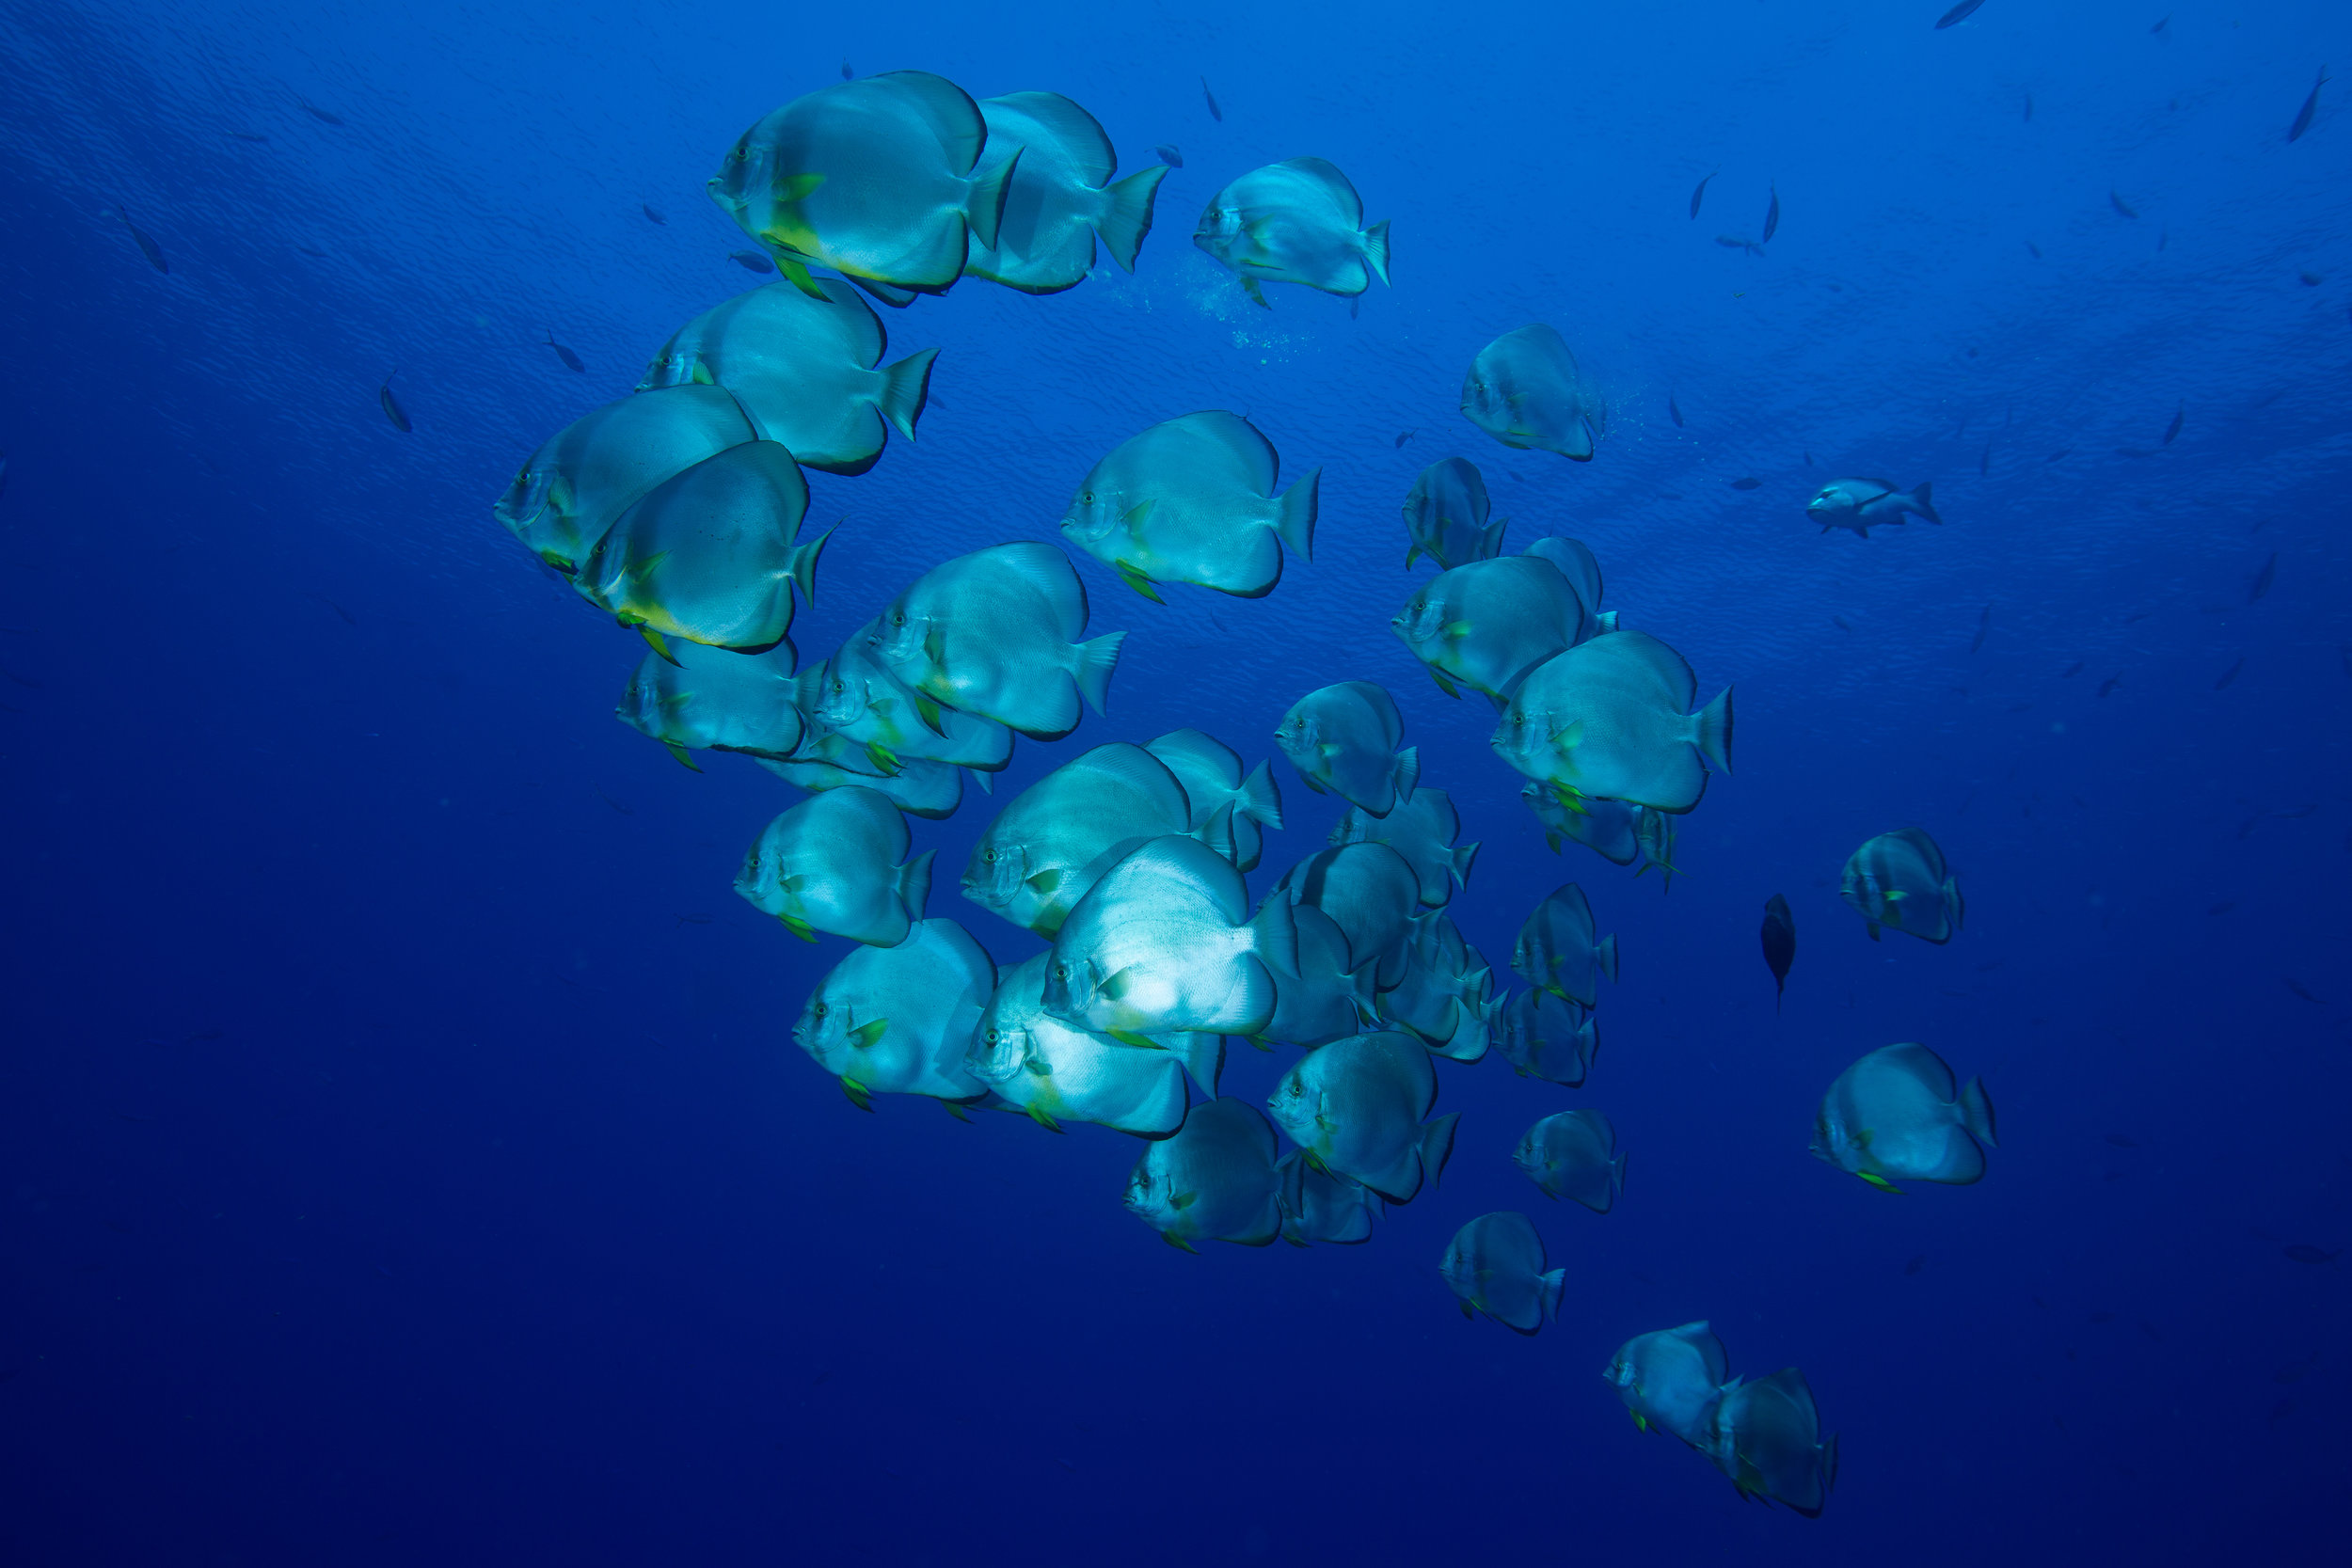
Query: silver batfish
(1524, 390)
(1766, 1435)
(1560, 949)
(837, 862)
(1332, 996)
(897, 1020)
(1548, 1037)
(806, 369)
(1900, 879)
(1672, 1380)
(1611, 718)
(1423, 830)
(1214, 1180)
(1298, 221)
(716, 699)
(1344, 741)
(580, 482)
(1062, 196)
(1484, 625)
(1210, 771)
(1058, 1072)
(919, 788)
(1056, 838)
(1900, 1112)
(1318, 1207)
(1192, 499)
(1357, 1106)
(860, 700)
(1574, 1154)
(1445, 996)
(1445, 517)
(1370, 892)
(1495, 1265)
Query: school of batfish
(678, 511)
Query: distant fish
(571, 361)
(1771, 219)
(653, 214)
(2116, 200)
(1914, 1265)
(1984, 625)
(1739, 242)
(2261, 584)
(1958, 14)
(2296, 986)
(2303, 1252)
(1404, 435)
(2135, 451)
(694, 920)
(2060, 456)
(1171, 154)
(316, 113)
(1749, 482)
(1841, 622)
(2311, 279)
(2223, 908)
(1674, 411)
(2035, 248)
(146, 246)
(2174, 428)
(1699, 194)
(1215, 113)
(2122, 1141)
(2228, 676)
(2029, 106)
(249, 136)
(2073, 669)
(847, 75)
(347, 617)
(392, 410)
(2160, 22)
(1780, 945)
(2310, 107)
(1808, 460)
(752, 260)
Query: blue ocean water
(404, 1155)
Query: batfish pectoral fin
(1178, 1242)
(1135, 579)
(796, 272)
(659, 644)
(883, 757)
(1880, 1183)
(796, 187)
(1128, 1037)
(798, 927)
(866, 1036)
(1257, 295)
(1444, 685)
(957, 1111)
(859, 1095)
(1043, 1120)
(685, 758)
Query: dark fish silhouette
(2073, 669)
(316, 113)
(2303, 1252)
(1915, 1265)
(846, 73)
(1674, 411)
(1984, 460)
(248, 136)
(2060, 456)
(392, 410)
(2109, 684)
(1808, 460)
(2310, 107)
(1771, 219)
(2311, 279)
(694, 920)
(2160, 22)
(1171, 154)
(1984, 625)
(1958, 14)
(1404, 435)
(752, 260)
(3, 473)
(2122, 1141)
(2029, 105)
(2135, 451)
(2296, 986)
(2228, 676)
(338, 609)
(1737, 242)
(2261, 584)
(2174, 428)
(1750, 483)
(1699, 194)
(2035, 248)
(1780, 945)
(1215, 113)
(2117, 201)
(147, 247)
(2223, 908)
(653, 214)
(1840, 623)
(571, 361)
(1355, 307)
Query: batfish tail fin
(915, 883)
(1294, 517)
(1490, 538)
(1126, 216)
(1954, 902)
(1458, 861)
(1261, 796)
(1712, 733)
(1096, 660)
(986, 779)
(906, 388)
(803, 566)
(1921, 503)
(1616, 1179)
(1976, 1112)
(1605, 955)
(1203, 1056)
(1217, 833)
(1377, 249)
(1407, 774)
(1550, 1284)
(1274, 936)
(984, 208)
(1437, 1147)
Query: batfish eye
(1085, 498)
(1061, 972)
(821, 1009)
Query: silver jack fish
(1423, 830)
(714, 698)
(1213, 1182)
(1900, 1114)
(1561, 951)
(837, 862)
(1445, 517)
(1165, 941)
(1611, 717)
(1862, 504)
(1900, 879)
(897, 1020)
(1356, 1106)
(1061, 195)
(1343, 739)
(1211, 774)
(1298, 221)
(806, 369)
(1056, 838)
(1060, 1072)
(1524, 390)
(580, 482)
(1192, 499)
(1574, 1154)
(1495, 1265)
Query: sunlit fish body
(1298, 221)
(1863, 504)
(1211, 774)
(1611, 718)
(806, 369)
(580, 482)
(1672, 1380)
(1062, 197)
(860, 700)
(1344, 741)
(1332, 996)
(1213, 1182)
(837, 862)
(1900, 880)
(995, 633)
(1357, 1106)
(1165, 941)
(1561, 950)
(715, 699)
(879, 179)
(1445, 517)
(1548, 1037)
(1320, 1208)
(1058, 1072)
(1900, 1114)
(1487, 625)
(1423, 830)
(1056, 839)
(897, 1020)
(917, 787)
(1766, 1435)
(1574, 1154)
(1495, 1265)
(1524, 389)
(1192, 499)
(1574, 559)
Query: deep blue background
(390, 1174)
